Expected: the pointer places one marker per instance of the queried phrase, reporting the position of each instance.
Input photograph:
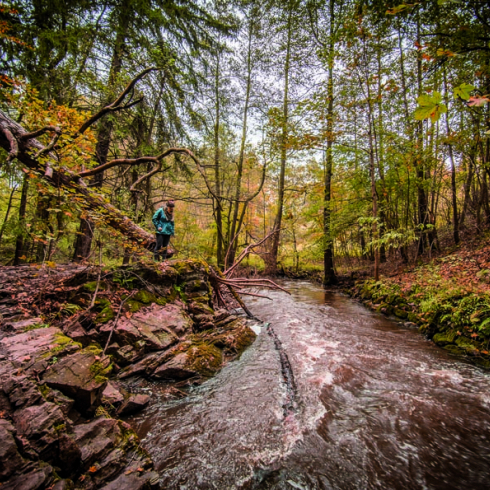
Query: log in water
(370, 404)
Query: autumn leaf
(128, 315)
(473, 335)
(93, 469)
(445, 52)
(477, 101)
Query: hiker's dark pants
(162, 243)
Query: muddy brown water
(372, 405)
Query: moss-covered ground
(448, 298)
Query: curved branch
(13, 145)
(114, 163)
(157, 169)
(39, 132)
(116, 105)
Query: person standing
(163, 219)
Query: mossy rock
(453, 349)
(205, 359)
(469, 346)
(133, 306)
(144, 296)
(400, 313)
(412, 317)
(446, 338)
(237, 337)
(102, 303)
(63, 345)
(92, 286)
(482, 362)
(107, 314)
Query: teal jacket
(160, 220)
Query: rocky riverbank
(71, 341)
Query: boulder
(38, 479)
(70, 455)
(23, 325)
(111, 395)
(126, 355)
(199, 359)
(97, 438)
(81, 376)
(133, 404)
(198, 308)
(76, 332)
(38, 425)
(445, 338)
(158, 326)
(10, 459)
(176, 368)
(21, 391)
(27, 348)
(147, 365)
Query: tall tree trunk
(235, 225)
(453, 169)
(85, 234)
(19, 243)
(271, 261)
(9, 207)
(218, 209)
(329, 276)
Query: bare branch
(116, 105)
(39, 132)
(116, 162)
(246, 251)
(157, 169)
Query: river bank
(72, 341)
(448, 299)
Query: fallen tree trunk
(26, 151)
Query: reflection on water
(377, 406)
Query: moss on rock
(105, 315)
(205, 359)
(91, 286)
(445, 338)
(144, 296)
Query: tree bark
(271, 261)
(329, 276)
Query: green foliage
(430, 106)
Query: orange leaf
(93, 469)
(128, 314)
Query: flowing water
(331, 396)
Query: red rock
(175, 368)
(76, 378)
(35, 480)
(112, 395)
(33, 343)
(133, 404)
(159, 326)
(97, 438)
(10, 459)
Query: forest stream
(330, 396)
